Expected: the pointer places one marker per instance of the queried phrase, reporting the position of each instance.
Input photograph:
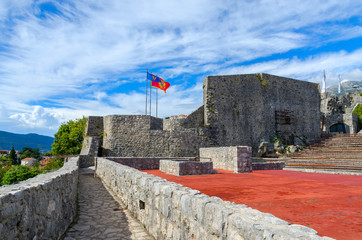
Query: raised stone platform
(182, 167)
(235, 158)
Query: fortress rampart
(172, 211)
(238, 110)
(143, 136)
(41, 207)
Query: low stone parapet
(268, 165)
(142, 163)
(237, 159)
(172, 211)
(181, 167)
(41, 207)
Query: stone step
(342, 151)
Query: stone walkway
(101, 216)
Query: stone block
(182, 167)
(237, 159)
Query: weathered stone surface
(181, 167)
(171, 211)
(41, 207)
(94, 127)
(244, 109)
(90, 149)
(238, 110)
(237, 159)
(143, 136)
(339, 110)
(268, 165)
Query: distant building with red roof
(44, 162)
(4, 152)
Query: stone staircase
(341, 152)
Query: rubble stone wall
(172, 211)
(237, 159)
(173, 124)
(41, 207)
(142, 136)
(91, 148)
(247, 109)
(94, 126)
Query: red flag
(163, 85)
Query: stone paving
(101, 216)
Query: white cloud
(73, 59)
(309, 69)
(39, 118)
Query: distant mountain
(32, 140)
(346, 87)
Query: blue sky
(61, 60)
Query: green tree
(54, 164)
(69, 138)
(19, 173)
(13, 157)
(3, 169)
(30, 152)
(358, 111)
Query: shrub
(3, 169)
(69, 138)
(358, 111)
(54, 164)
(19, 173)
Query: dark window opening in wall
(340, 128)
(284, 117)
(142, 205)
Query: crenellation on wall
(132, 136)
(91, 148)
(195, 119)
(94, 126)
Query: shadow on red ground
(330, 204)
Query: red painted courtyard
(330, 204)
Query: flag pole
(146, 91)
(150, 98)
(156, 102)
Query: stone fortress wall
(41, 207)
(172, 211)
(143, 136)
(238, 110)
(245, 109)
